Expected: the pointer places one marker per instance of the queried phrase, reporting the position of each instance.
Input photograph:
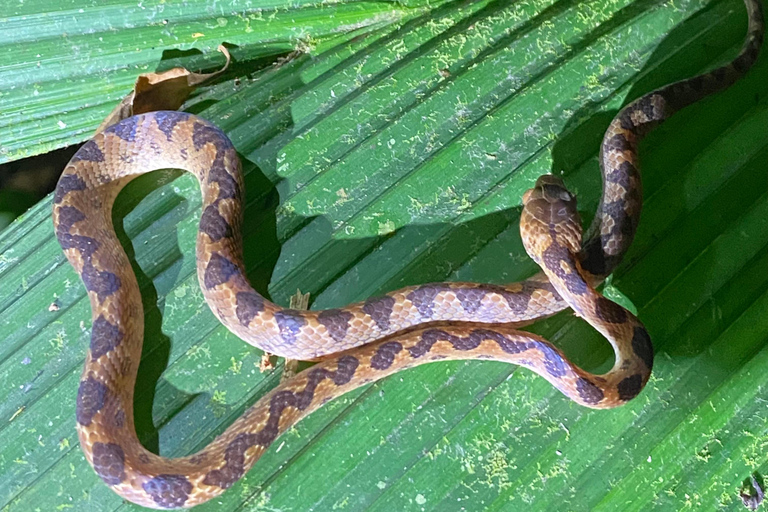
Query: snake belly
(464, 320)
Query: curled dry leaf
(160, 91)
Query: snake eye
(556, 192)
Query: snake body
(359, 343)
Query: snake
(360, 343)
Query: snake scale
(359, 343)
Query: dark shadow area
(670, 148)
(157, 346)
(25, 182)
(242, 66)
(200, 106)
(261, 247)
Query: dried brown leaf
(160, 91)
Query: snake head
(550, 216)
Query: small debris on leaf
(266, 363)
(752, 493)
(16, 414)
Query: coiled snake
(366, 333)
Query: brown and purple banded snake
(465, 320)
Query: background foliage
(395, 152)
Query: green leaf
(399, 157)
(62, 71)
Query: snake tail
(615, 223)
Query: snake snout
(549, 179)
(549, 202)
(550, 215)
(553, 189)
